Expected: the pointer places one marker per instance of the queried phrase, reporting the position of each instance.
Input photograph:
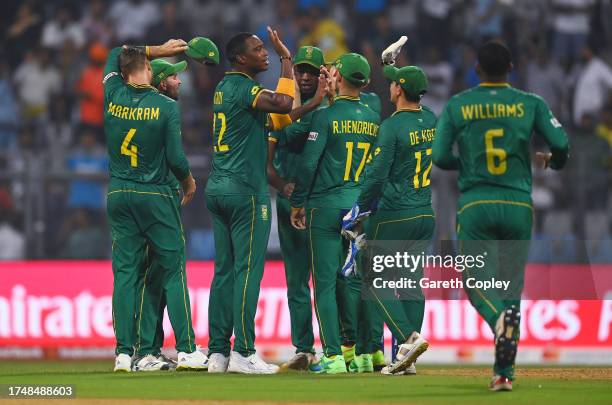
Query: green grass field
(433, 385)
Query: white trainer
(411, 370)
(123, 363)
(217, 363)
(195, 360)
(407, 353)
(150, 363)
(252, 364)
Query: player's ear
(240, 59)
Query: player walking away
(398, 182)
(492, 125)
(284, 149)
(150, 332)
(238, 198)
(330, 169)
(143, 139)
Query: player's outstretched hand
(170, 48)
(278, 45)
(543, 159)
(189, 189)
(322, 87)
(389, 54)
(298, 218)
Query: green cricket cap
(162, 69)
(410, 78)
(309, 55)
(354, 68)
(203, 50)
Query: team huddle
(344, 177)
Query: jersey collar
(490, 84)
(407, 110)
(346, 98)
(142, 87)
(233, 72)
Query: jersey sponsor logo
(313, 136)
(255, 90)
(354, 127)
(133, 114)
(492, 111)
(108, 76)
(555, 122)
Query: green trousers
(241, 226)
(294, 248)
(150, 312)
(140, 217)
(326, 253)
(403, 313)
(497, 222)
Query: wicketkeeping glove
(389, 54)
(350, 264)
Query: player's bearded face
(256, 55)
(170, 86)
(307, 78)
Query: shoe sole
(506, 344)
(408, 360)
(121, 370)
(501, 387)
(300, 365)
(186, 368)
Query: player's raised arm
(550, 128)
(280, 100)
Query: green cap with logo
(354, 68)
(203, 50)
(309, 55)
(410, 78)
(162, 69)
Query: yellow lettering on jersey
(139, 113)
(132, 113)
(147, 113)
(511, 110)
(334, 127)
(467, 111)
(521, 110)
(111, 108)
(501, 110)
(414, 137)
(155, 113)
(125, 112)
(218, 98)
(354, 127)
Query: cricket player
(143, 139)
(284, 150)
(331, 167)
(398, 183)
(492, 126)
(150, 332)
(238, 198)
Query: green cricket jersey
(143, 130)
(372, 101)
(401, 163)
(492, 125)
(331, 168)
(240, 144)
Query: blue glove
(351, 219)
(350, 264)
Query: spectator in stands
(170, 26)
(95, 23)
(132, 18)
(545, 78)
(82, 237)
(324, 33)
(36, 80)
(488, 20)
(12, 241)
(58, 135)
(90, 92)
(9, 117)
(62, 28)
(570, 27)
(24, 33)
(592, 87)
(440, 77)
(88, 159)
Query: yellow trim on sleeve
(270, 139)
(254, 103)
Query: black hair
(494, 58)
(236, 46)
(131, 59)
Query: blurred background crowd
(53, 163)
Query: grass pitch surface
(95, 383)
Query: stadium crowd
(53, 163)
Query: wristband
(285, 57)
